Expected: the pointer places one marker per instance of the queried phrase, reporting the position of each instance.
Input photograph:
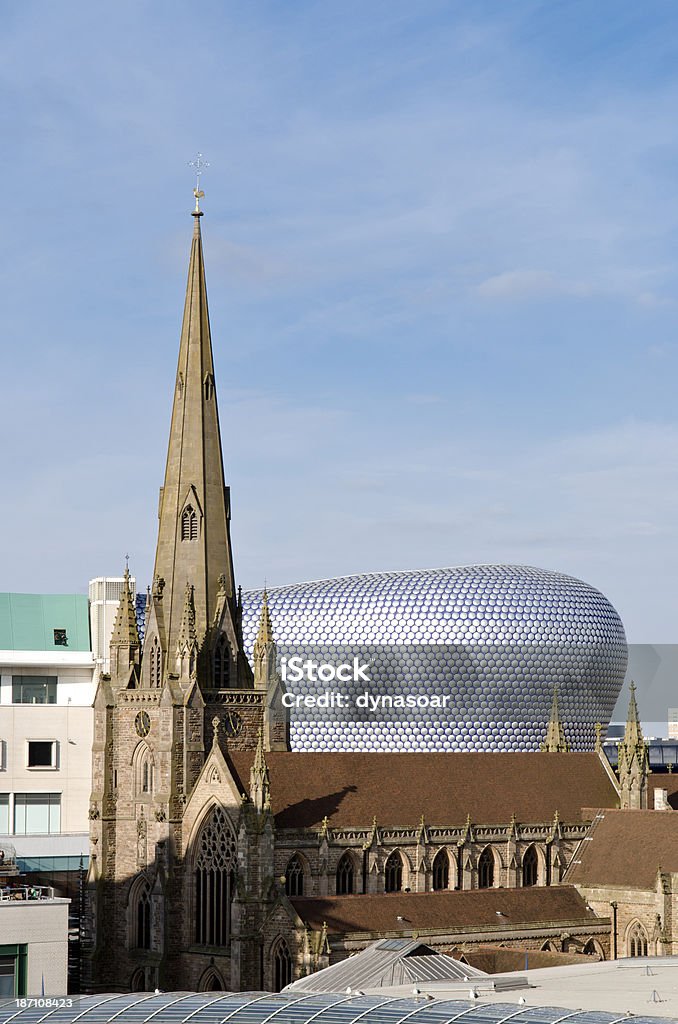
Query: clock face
(232, 724)
(142, 723)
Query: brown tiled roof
(626, 848)
(444, 911)
(353, 788)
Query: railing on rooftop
(29, 893)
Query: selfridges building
(464, 658)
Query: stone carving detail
(194, 723)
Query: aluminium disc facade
(475, 651)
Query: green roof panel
(28, 622)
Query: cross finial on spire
(198, 165)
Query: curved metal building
(283, 1008)
(473, 652)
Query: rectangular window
(34, 689)
(42, 754)
(13, 963)
(4, 814)
(7, 976)
(37, 813)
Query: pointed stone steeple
(187, 644)
(125, 646)
(267, 679)
(633, 733)
(260, 783)
(265, 631)
(194, 544)
(555, 741)
(632, 759)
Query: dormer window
(189, 524)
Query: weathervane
(199, 165)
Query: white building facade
(46, 693)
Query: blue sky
(442, 253)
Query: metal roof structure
(387, 962)
(285, 1008)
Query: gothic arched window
(345, 875)
(282, 965)
(592, 948)
(189, 524)
(530, 866)
(441, 870)
(215, 860)
(143, 918)
(393, 873)
(294, 877)
(637, 940)
(486, 869)
(144, 770)
(156, 663)
(222, 664)
(138, 982)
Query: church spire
(265, 631)
(125, 629)
(260, 783)
(194, 544)
(633, 733)
(125, 645)
(632, 759)
(555, 741)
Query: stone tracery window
(294, 877)
(637, 940)
(215, 861)
(345, 875)
(393, 873)
(441, 870)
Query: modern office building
(104, 598)
(46, 693)
(33, 935)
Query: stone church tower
(163, 716)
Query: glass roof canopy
(269, 1008)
